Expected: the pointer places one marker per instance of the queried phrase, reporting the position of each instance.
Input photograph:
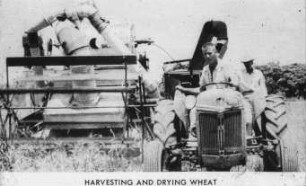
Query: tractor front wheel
(153, 156)
(156, 158)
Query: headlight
(190, 102)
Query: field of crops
(297, 121)
(88, 156)
(289, 80)
(95, 155)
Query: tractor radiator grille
(233, 131)
(208, 125)
(220, 132)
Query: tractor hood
(219, 100)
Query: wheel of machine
(164, 127)
(275, 114)
(158, 159)
(285, 155)
(153, 156)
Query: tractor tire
(164, 123)
(276, 118)
(285, 156)
(153, 156)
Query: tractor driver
(214, 72)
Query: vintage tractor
(219, 142)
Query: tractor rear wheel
(285, 156)
(276, 116)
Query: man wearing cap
(252, 80)
(252, 86)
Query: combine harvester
(98, 87)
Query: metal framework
(7, 94)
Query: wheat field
(77, 156)
(297, 121)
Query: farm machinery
(219, 140)
(96, 84)
(99, 86)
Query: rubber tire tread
(275, 115)
(152, 156)
(276, 118)
(166, 130)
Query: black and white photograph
(170, 87)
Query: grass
(297, 121)
(91, 156)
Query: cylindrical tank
(75, 43)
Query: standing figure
(253, 87)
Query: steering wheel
(217, 85)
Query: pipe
(76, 14)
(73, 14)
(99, 23)
(46, 22)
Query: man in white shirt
(214, 72)
(252, 81)
(253, 87)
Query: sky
(272, 30)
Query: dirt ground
(297, 122)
